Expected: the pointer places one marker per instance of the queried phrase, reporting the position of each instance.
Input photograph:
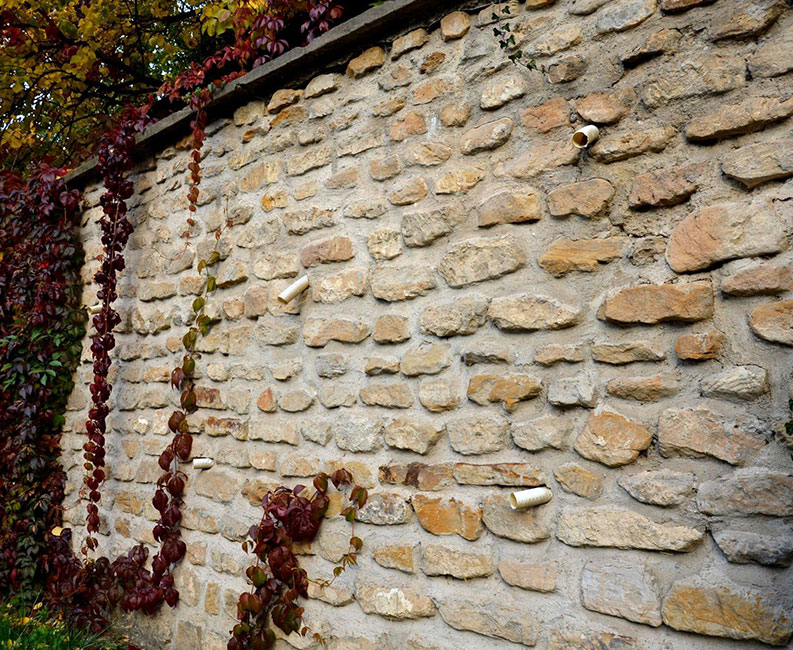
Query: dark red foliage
(41, 328)
(277, 579)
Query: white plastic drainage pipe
(293, 290)
(529, 498)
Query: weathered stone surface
(573, 391)
(611, 439)
(411, 123)
(216, 485)
(272, 330)
(625, 14)
(750, 115)
(606, 108)
(381, 169)
(664, 41)
(748, 492)
(525, 313)
(438, 395)
(507, 389)
(747, 19)
(628, 144)
(528, 526)
(422, 228)
(337, 249)
(727, 610)
(491, 619)
(396, 556)
(538, 159)
(533, 577)
(699, 432)
(427, 359)
(297, 400)
(384, 509)
(384, 244)
(554, 353)
(455, 115)
(741, 382)
(756, 164)
(440, 560)
(391, 395)
(461, 317)
(759, 280)
(317, 332)
(771, 545)
(506, 474)
(773, 322)
(358, 433)
(501, 90)
(584, 255)
(650, 304)
(547, 116)
(394, 284)
(575, 639)
(392, 602)
(620, 589)
(621, 353)
(458, 180)
(769, 59)
(509, 207)
(321, 85)
(644, 389)
(706, 73)
(410, 41)
(587, 198)
(301, 222)
(579, 481)
(428, 154)
(410, 191)
(391, 329)
(455, 25)
(365, 209)
(567, 68)
(371, 59)
(418, 475)
(485, 137)
(271, 265)
(542, 433)
(611, 527)
(381, 366)
(664, 188)
(476, 260)
(442, 516)
(477, 435)
(705, 345)
(557, 41)
(413, 435)
(433, 88)
(662, 487)
(723, 232)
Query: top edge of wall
(330, 49)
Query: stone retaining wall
(489, 309)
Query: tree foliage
(68, 67)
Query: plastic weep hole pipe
(294, 289)
(529, 498)
(585, 136)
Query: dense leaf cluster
(41, 328)
(277, 579)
